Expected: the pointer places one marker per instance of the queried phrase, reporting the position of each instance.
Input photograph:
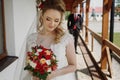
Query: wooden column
(87, 19)
(92, 43)
(105, 21)
(81, 8)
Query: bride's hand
(35, 78)
(49, 77)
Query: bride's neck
(47, 33)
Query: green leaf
(28, 67)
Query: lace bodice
(58, 49)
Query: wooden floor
(87, 68)
(82, 69)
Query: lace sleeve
(31, 41)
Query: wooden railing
(109, 46)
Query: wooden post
(105, 21)
(92, 43)
(87, 15)
(109, 61)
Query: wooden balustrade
(109, 46)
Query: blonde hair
(56, 5)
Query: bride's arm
(71, 58)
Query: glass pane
(1, 30)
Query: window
(2, 32)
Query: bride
(52, 36)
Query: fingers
(35, 78)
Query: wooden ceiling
(71, 3)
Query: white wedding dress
(60, 52)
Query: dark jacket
(71, 22)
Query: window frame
(4, 54)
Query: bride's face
(51, 19)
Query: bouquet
(41, 61)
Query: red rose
(44, 61)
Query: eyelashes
(49, 19)
(56, 20)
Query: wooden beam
(109, 5)
(4, 53)
(68, 4)
(109, 61)
(113, 47)
(87, 14)
(105, 22)
(69, 7)
(92, 43)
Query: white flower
(53, 57)
(37, 53)
(32, 63)
(49, 70)
(39, 50)
(48, 62)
